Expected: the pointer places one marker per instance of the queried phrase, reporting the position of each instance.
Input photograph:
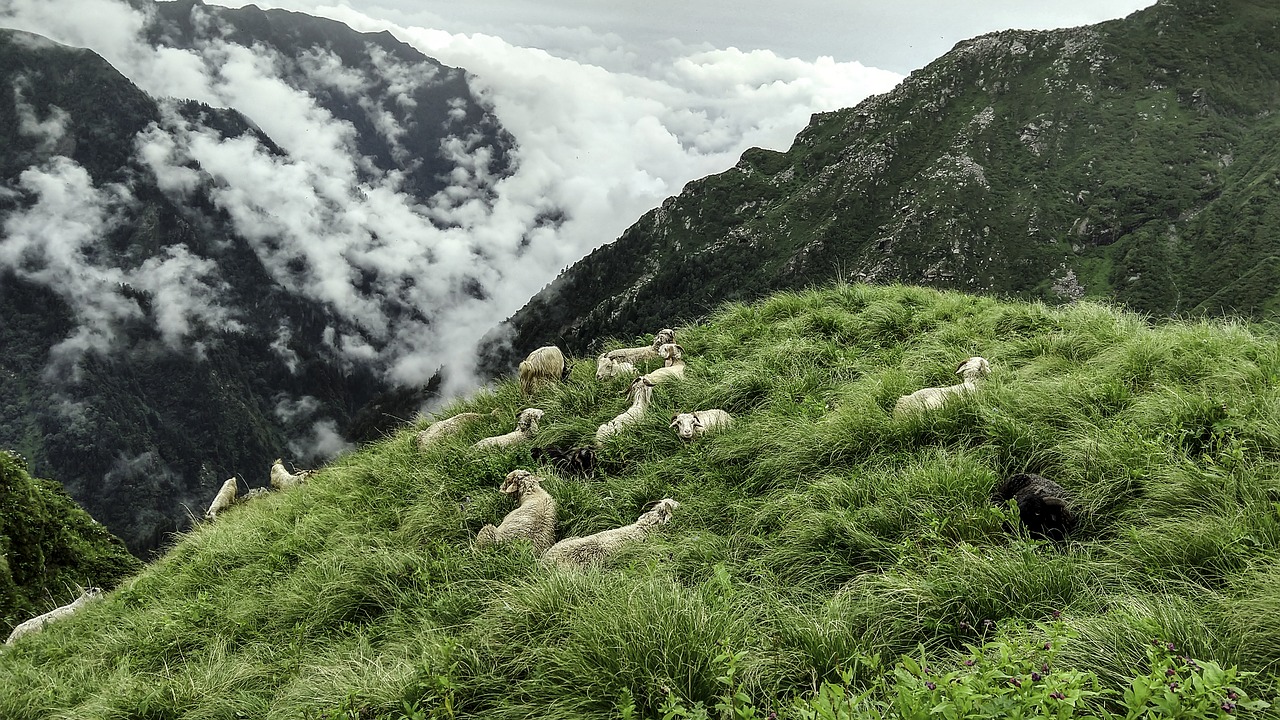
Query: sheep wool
(695, 424)
(933, 398)
(543, 366)
(596, 549)
(37, 623)
(526, 428)
(1044, 506)
(282, 479)
(534, 518)
(225, 498)
(449, 426)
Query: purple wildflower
(1057, 614)
(1044, 668)
(1232, 695)
(1015, 682)
(1174, 686)
(1170, 647)
(1035, 677)
(1228, 707)
(1170, 672)
(1057, 696)
(969, 662)
(931, 686)
(1047, 646)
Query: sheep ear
(961, 366)
(673, 420)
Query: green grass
(817, 532)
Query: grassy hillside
(815, 534)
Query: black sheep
(576, 461)
(1043, 505)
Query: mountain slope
(818, 531)
(154, 345)
(1130, 160)
(48, 545)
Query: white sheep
(607, 367)
(282, 479)
(934, 397)
(693, 425)
(672, 366)
(37, 623)
(641, 394)
(526, 428)
(595, 549)
(544, 365)
(448, 426)
(225, 498)
(635, 355)
(533, 519)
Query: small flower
(1047, 646)
(1174, 686)
(964, 626)
(969, 662)
(1170, 672)
(1228, 707)
(1044, 668)
(1035, 677)
(772, 716)
(1170, 647)
(928, 670)
(1232, 695)
(931, 686)
(1015, 682)
(1057, 696)
(1057, 614)
(989, 624)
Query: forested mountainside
(829, 558)
(1133, 160)
(49, 546)
(152, 346)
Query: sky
(613, 107)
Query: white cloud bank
(596, 147)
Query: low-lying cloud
(415, 281)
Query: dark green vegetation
(816, 532)
(145, 432)
(48, 545)
(1133, 160)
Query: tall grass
(817, 531)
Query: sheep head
(974, 368)
(687, 425)
(640, 386)
(527, 420)
(671, 352)
(520, 483)
(659, 514)
(664, 336)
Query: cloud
(603, 133)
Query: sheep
(595, 549)
(533, 519)
(1044, 506)
(225, 498)
(526, 428)
(672, 367)
(576, 461)
(934, 397)
(37, 623)
(641, 394)
(282, 479)
(448, 426)
(648, 352)
(607, 367)
(693, 425)
(253, 494)
(546, 364)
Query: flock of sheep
(1043, 506)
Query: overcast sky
(613, 106)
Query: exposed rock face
(1101, 161)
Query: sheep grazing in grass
(544, 365)
(225, 498)
(449, 426)
(935, 397)
(672, 366)
(1044, 506)
(526, 428)
(282, 479)
(693, 425)
(595, 549)
(641, 394)
(636, 355)
(37, 623)
(579, 461)
(607, 367)
(534, 519)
